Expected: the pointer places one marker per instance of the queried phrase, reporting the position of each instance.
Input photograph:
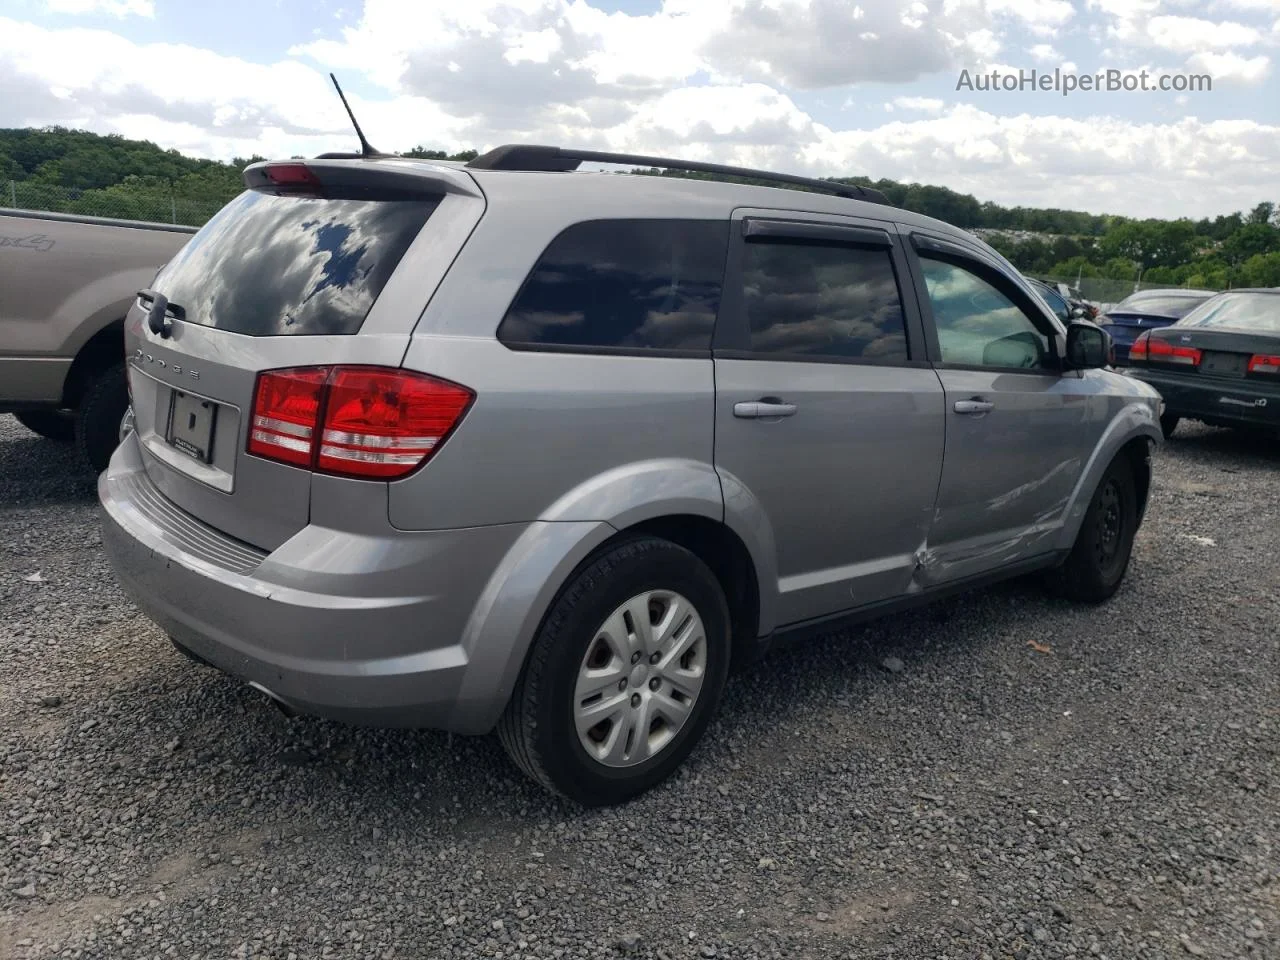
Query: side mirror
(1088, 346)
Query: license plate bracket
(191, 424)
(1223, 364)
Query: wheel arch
(100, 352)
(1131, 435)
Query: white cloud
(115, 8)
(1189, 34)
(1232, 67)
(922, 104)
(1264, 6)
(1045, 53)
(1040, 16)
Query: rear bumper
(1217, 401)
(356, 628)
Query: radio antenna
(366, 148)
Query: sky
(819, 87)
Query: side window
(977, 324)
(623, 284)
(823, 300)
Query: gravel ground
(1001, 776)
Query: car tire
(52, 424)
(102, 406)
(1169, 423)
(579, 645)
(1100, 556)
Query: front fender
(1135, 420)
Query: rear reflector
(368, 422)
(1262, 363)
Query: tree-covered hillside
(84, 172)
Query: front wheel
(624, 675)
(1100, 556)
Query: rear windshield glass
(1239, 311)
(1160, 306)
(271, 266)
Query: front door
(1019, 430)
(829, 418)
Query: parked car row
(1219, 363)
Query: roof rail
(521, 156)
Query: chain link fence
(120, 202)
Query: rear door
(336, 270)
(828, 415)
(1018, 431)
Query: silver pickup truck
(66, 283)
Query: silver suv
(509, 446)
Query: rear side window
(623, 285)
(279, 266)
(820, 300)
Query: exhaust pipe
(280, 704)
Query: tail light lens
(368, 422)
(1162, 351)
(1264, 363)
(286, 412)
(1139, 349)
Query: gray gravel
(932, 786)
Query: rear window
(1239, 311)
(273, 266)
(1160, 306)
(623, 285)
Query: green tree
(1262, 213)
(1253, 238)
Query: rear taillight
(1139, 349)
(286, 411)
(1264, 363)
(1162, 351)
(367, 422)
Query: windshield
(1159, 305)
(273, 266)
(1239, 311)
(1054, 300)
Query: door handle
(975, 407)
(767, 408)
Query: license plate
(191, 421)
(1223, 364)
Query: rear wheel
(98, 418)
(624, 675)
(1169, 423)
(1100, 557)
(54, 424)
